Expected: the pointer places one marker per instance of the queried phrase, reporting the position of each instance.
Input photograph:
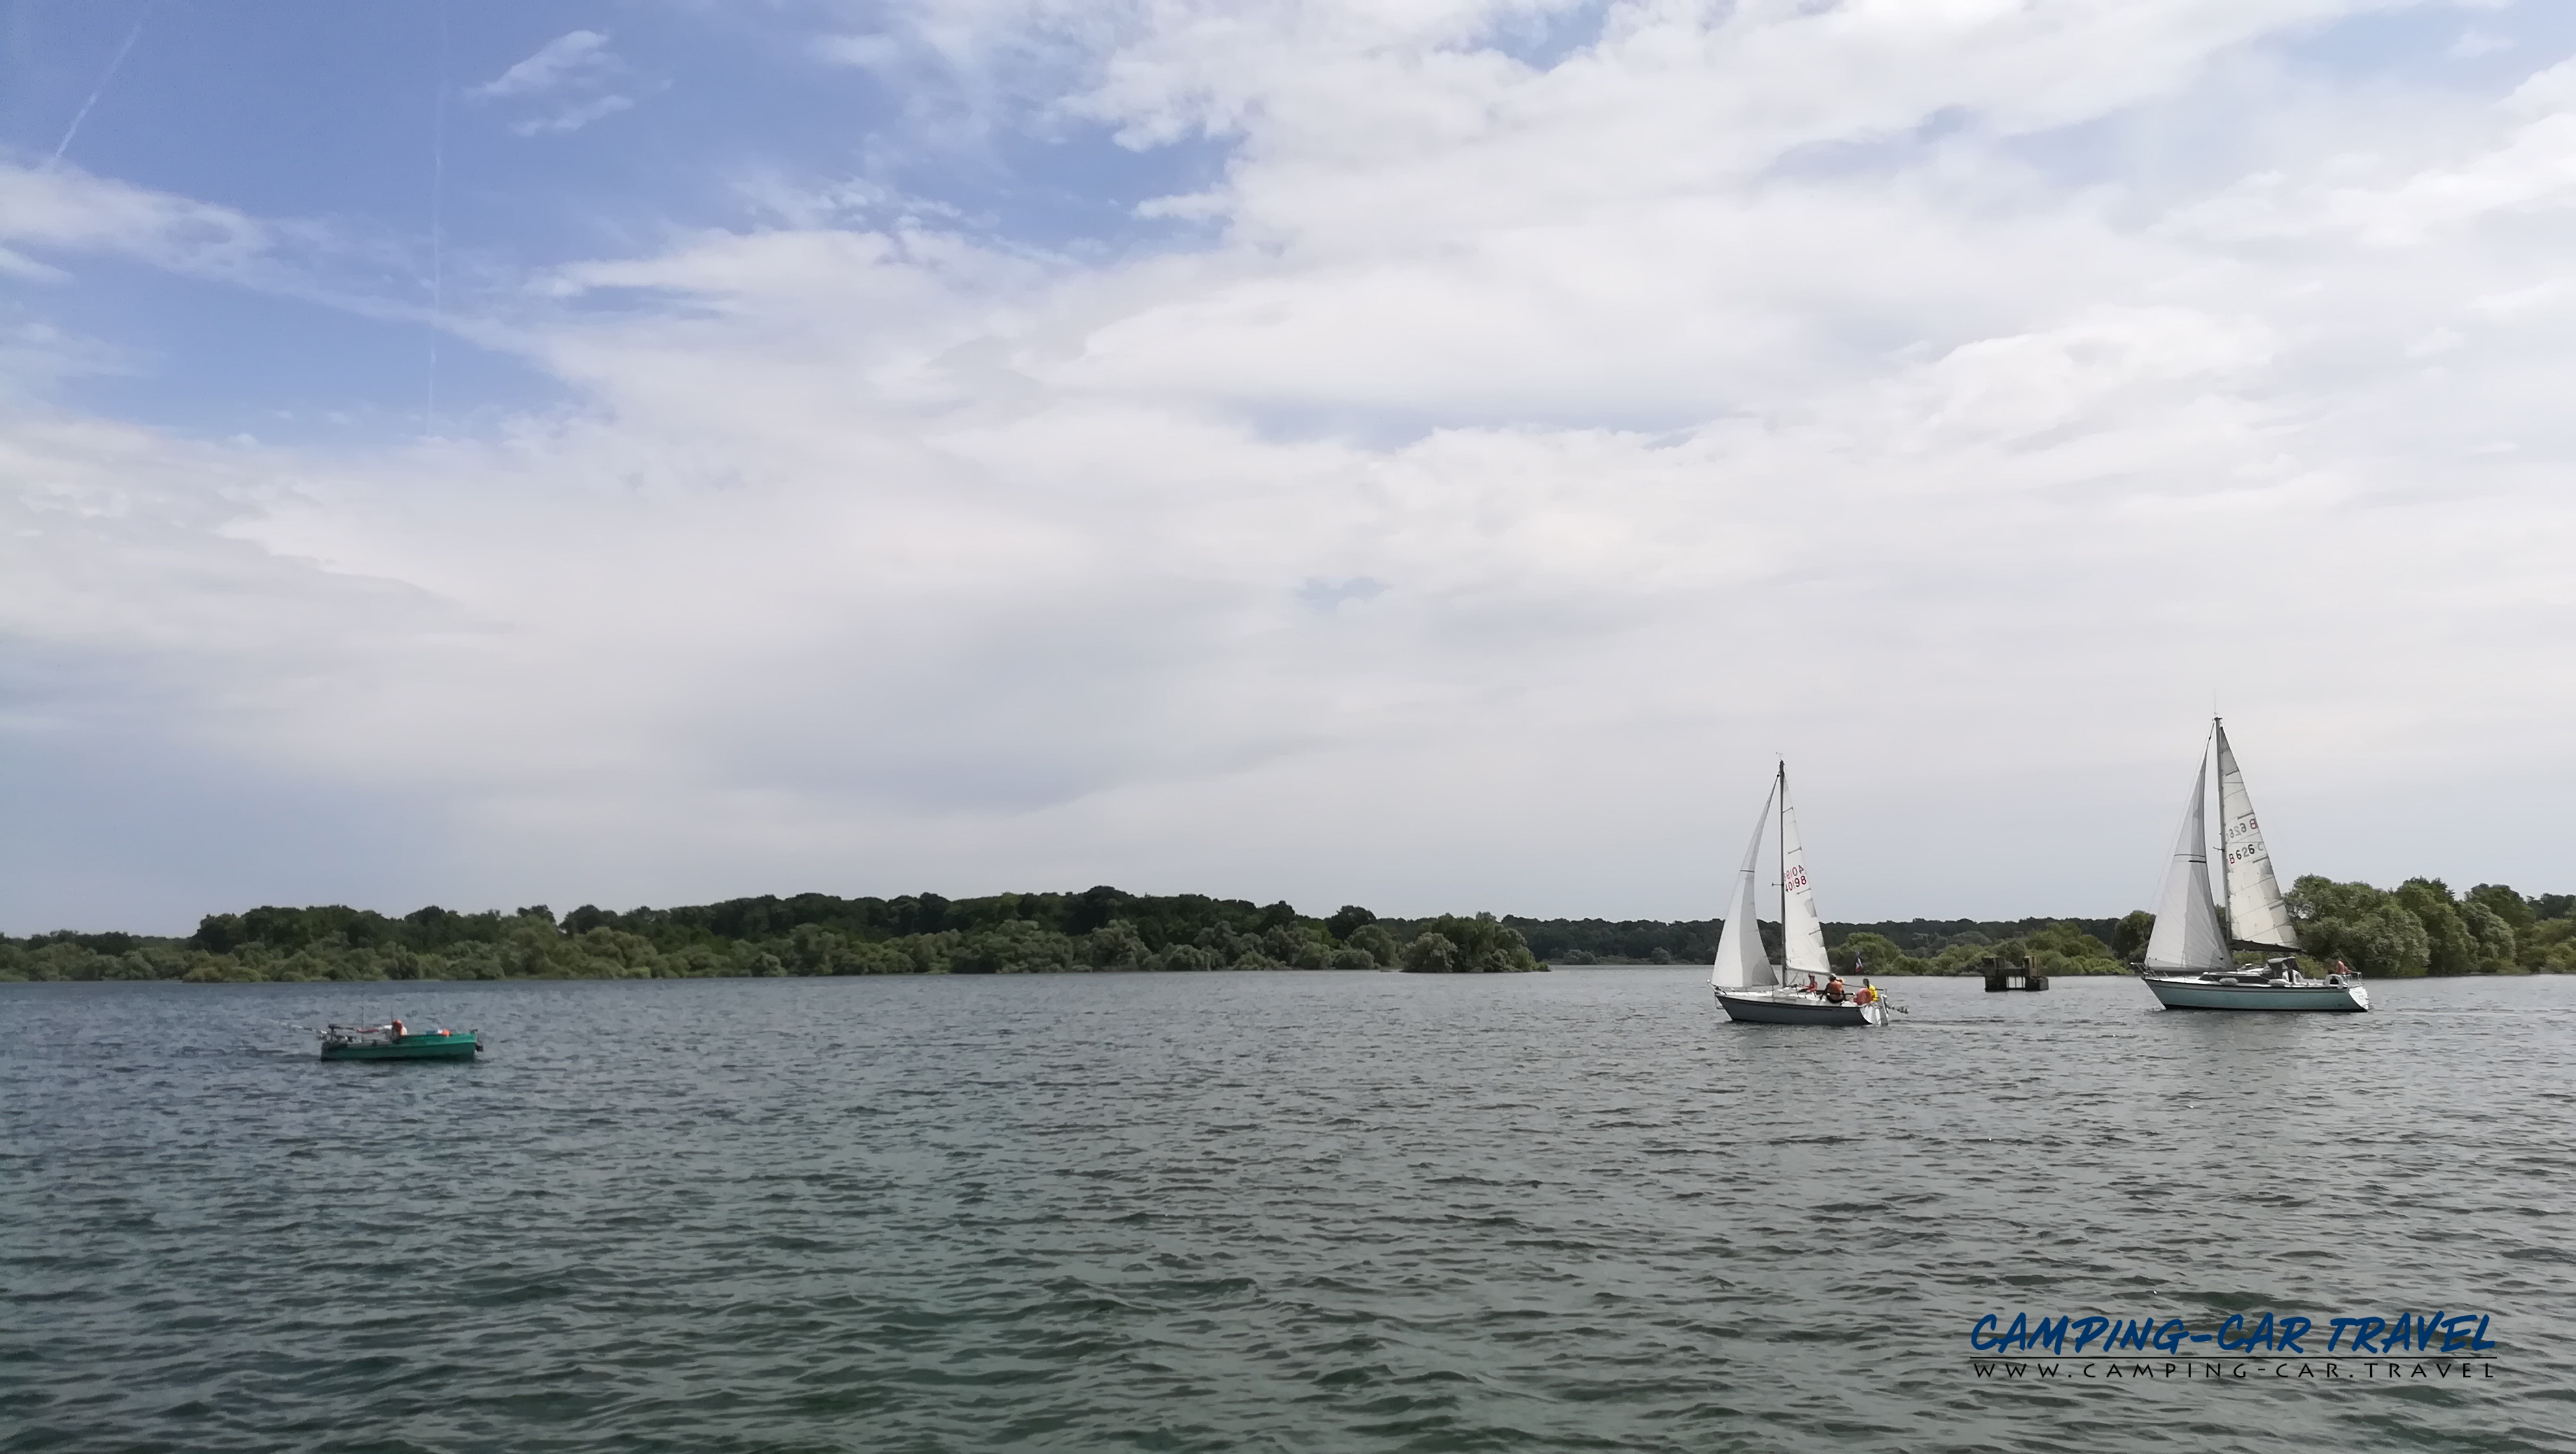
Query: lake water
(1282, 1211)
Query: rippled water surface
(1254, 1211)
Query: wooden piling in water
(2001, 976)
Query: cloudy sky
(1422, 453)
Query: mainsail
(2255, 912)
(1802, 933)
(2187, 939)
(1741, 964)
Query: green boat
(394, 1042)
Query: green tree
(2453, 949)
(1873, 954)
(619, 954)
(221, 933)
(2496, 950)
(1016, 946)
(881, 958)
(474, 959)
(2059, 949)
(2364, 927)
(2550, 947)
(219, 969)
(811, 949)
(2129, 941)
(1117, 945)
(2314, 898)
(1346, 921)
(1481, 945)
(1430, 954)
(933, 953)
(1302, 945)
(1375, 941)
(2516, 911)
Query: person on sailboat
(1834, 992)
(1868, 994)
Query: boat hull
(2197, 993)
(1763, 1007)
(463, 1046)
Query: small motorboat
(395, 1041)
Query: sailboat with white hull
(1749, 986)
(2191, 960)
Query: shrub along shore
(2418, 928)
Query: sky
(1428, 454)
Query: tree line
(2419, 927)
(1694, 941)
(807, 934)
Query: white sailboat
(1749, 986)
(2191, 959)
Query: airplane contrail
(101, 89)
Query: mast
(2226, 854)
(1802, 934)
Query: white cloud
(881, 53)
(2523, 158)
(574, 117)
(58, 207)
(27, 269)
(2547, 92)
(575, 58)
(1532, 452)
(63, 212)
(2474, 43)
(570, 82)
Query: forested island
(808, 934)
(2419, 927)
